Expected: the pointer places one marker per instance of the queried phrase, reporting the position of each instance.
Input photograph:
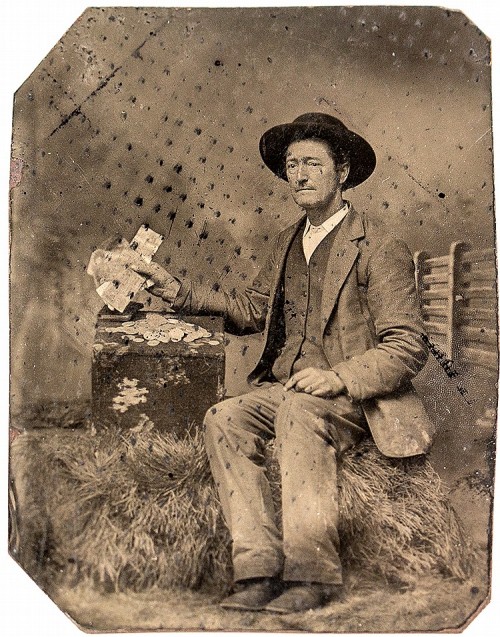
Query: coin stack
(156, 328)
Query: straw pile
(135, 509)
(396, 519)
(124, 509)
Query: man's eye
(313, 163)
(291, 166)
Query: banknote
(126, 283)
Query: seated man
(342, 340)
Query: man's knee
(220, 413)
(216, 420)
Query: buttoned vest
(301, 311)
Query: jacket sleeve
(400, 351)
(244, 312)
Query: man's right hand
(164, 284)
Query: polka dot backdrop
(154, 116)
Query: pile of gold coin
(157, 328)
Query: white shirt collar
(333, 221)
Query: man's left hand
(317, 382)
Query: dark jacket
(372, 326)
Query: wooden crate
(172, 384)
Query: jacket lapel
(288, 237)
(343, 255)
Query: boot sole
(236, 606)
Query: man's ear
(344, 172)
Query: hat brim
(274, 143)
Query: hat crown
(320, 119)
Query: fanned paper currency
(126, 283)
(118, 294)
(146, 242)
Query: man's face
(314, 178)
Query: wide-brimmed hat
(274, 143)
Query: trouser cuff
(320, 573)
(249, 567)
